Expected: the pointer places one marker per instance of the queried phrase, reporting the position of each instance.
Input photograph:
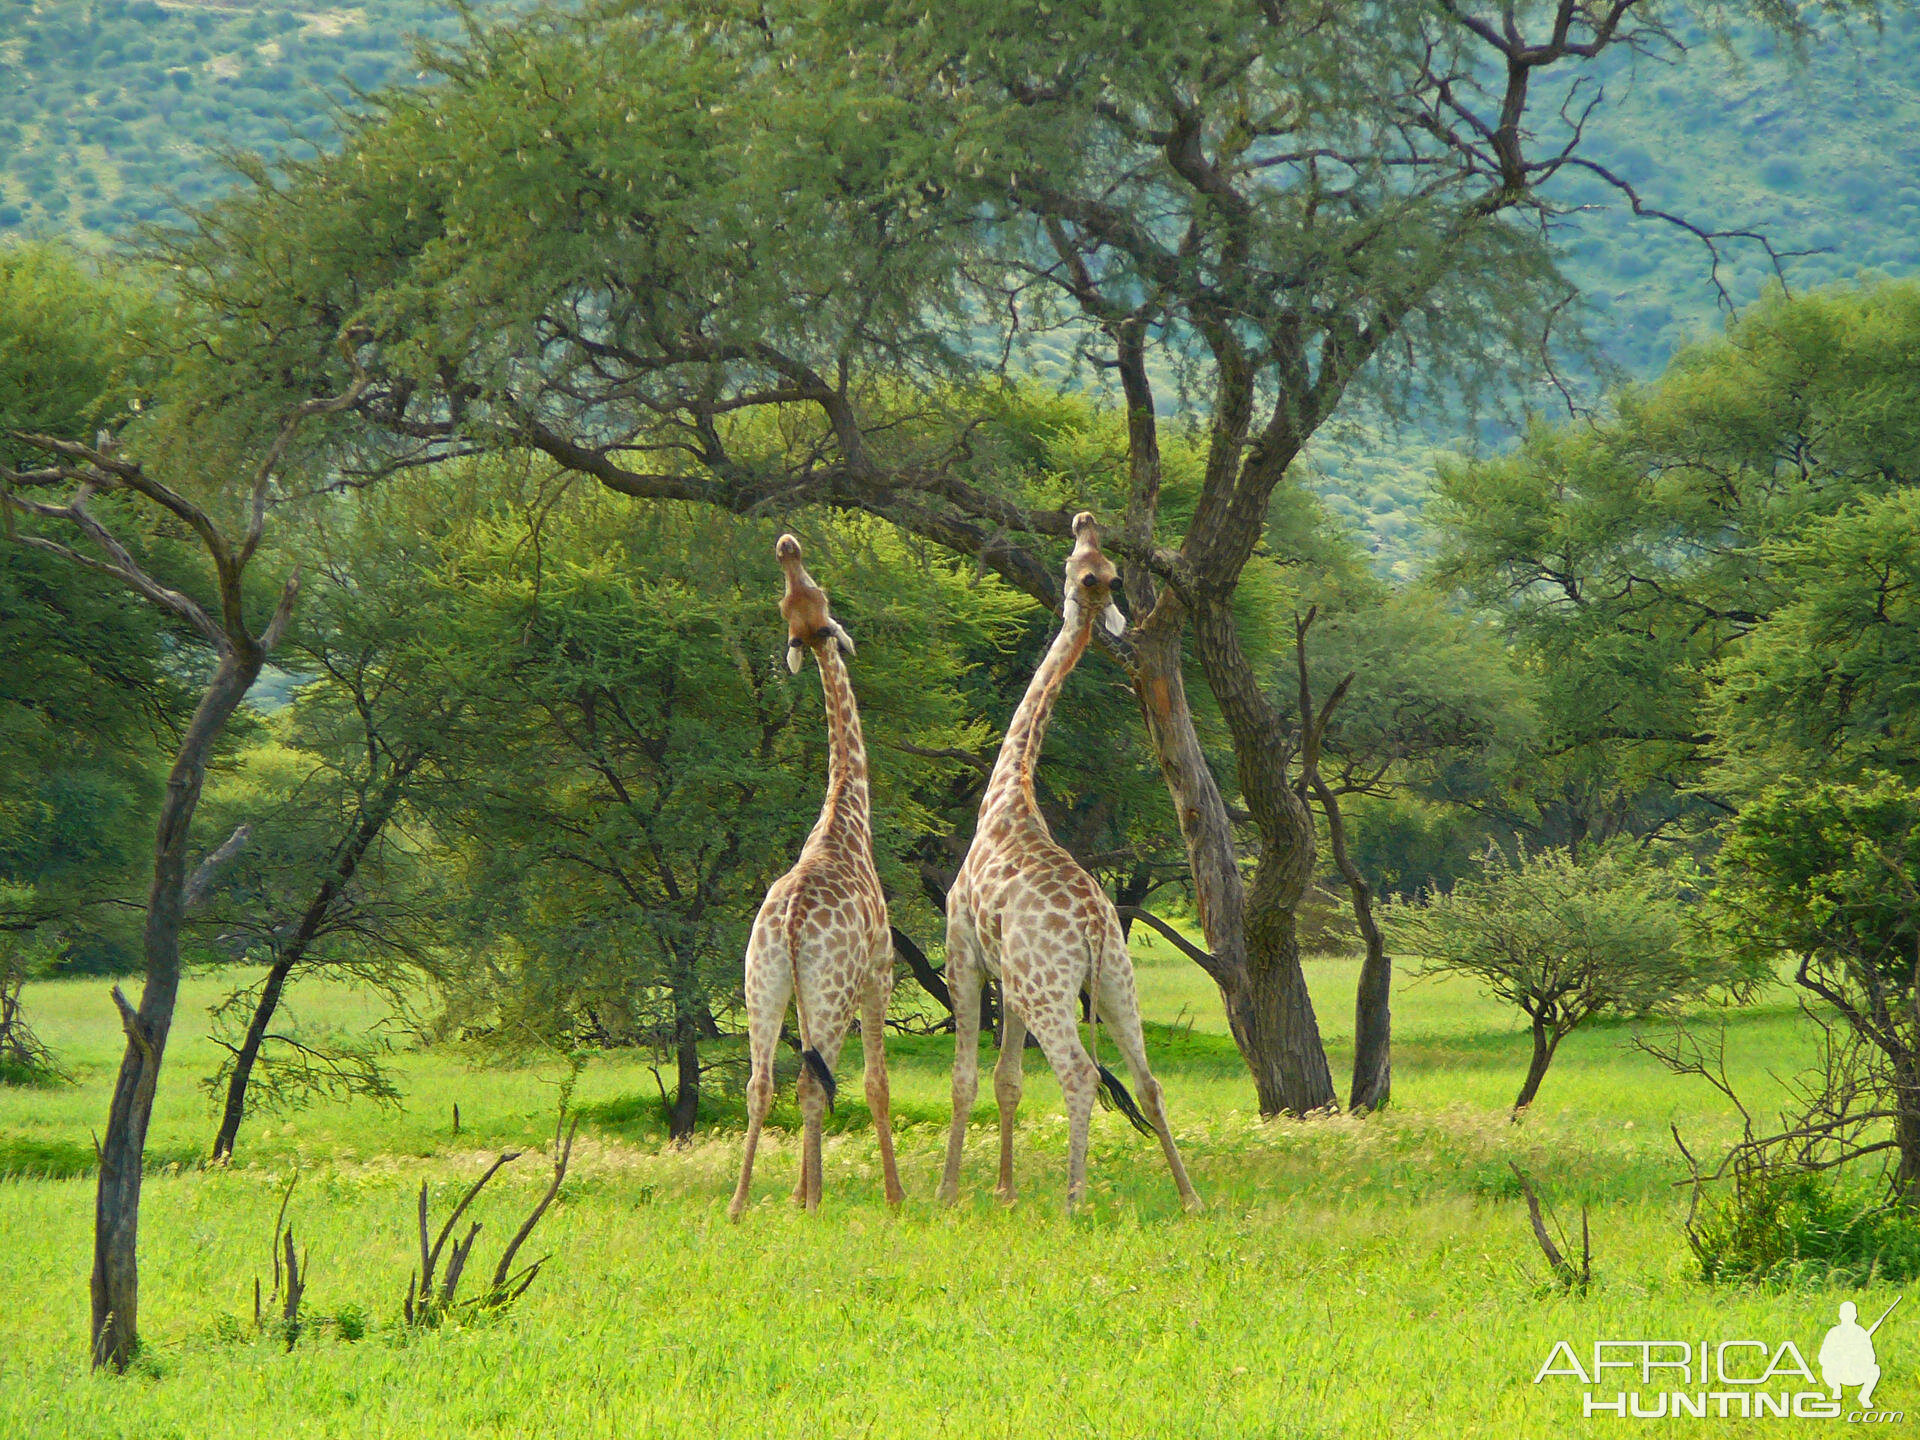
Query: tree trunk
(689, 1003)
(1291, 1074)
(243, 1058)
(1372, 1013)
(115, 1283)
(1290, 1066)
(1130, 894)
(1906, 1127)
(929, 979)
(1255, 957)
(1372, 1026)
(686, 1094)
(1545, 1040)
(373, 819)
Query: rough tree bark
(1255, 957)
(115, 1282)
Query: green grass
(1348, 1278)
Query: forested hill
(109, 107)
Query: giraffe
(1023, 909)
(821, 936)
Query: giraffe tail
(810, 1057)
(1112, 1094)
(816, 1063)
(1115, 1096)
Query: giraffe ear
(840, 634)
(1115, 622)
(794, 660)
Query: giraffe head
(1090, 579)
(805, 608)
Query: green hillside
(110, 108)
(1824, 159)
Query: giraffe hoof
(1194, 1205)
(949, 1194)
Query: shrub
(1779, 1227)
(1565, 939)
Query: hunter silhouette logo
(1846, 1355)
(1745, 1379)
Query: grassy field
(1348, 1278)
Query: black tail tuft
(812, 1058)
(1113, 1095)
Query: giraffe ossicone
(1023, 909)
(821, 939)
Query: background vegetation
(1612, 714)
(117, 111)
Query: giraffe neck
(846, 805)
(1011, 786)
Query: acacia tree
(1631, 561)
(1564, 940)
(324, 881)
(77, 505)
(1816, 736)
(1826, 877)
(732, 256)
(638, 765)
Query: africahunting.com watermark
(1728, 1379)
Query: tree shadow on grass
(26, 1158)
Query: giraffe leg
(813, 1108)
(1120, 1013)
(873, 1041)
(1059, 1038)
(763, 1038)
(963, 986)
(1006, 1093)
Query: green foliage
(1435, 698)
(641, 765)
(1786, 1227)
(93, 680)
(350, 1323)
(70, 346)
(1405, 844)
(1560, 939)
(88, 691)
(1829, 873)
(24, 953)
(1829, 683)
(1564, 940)
(1628, 558)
